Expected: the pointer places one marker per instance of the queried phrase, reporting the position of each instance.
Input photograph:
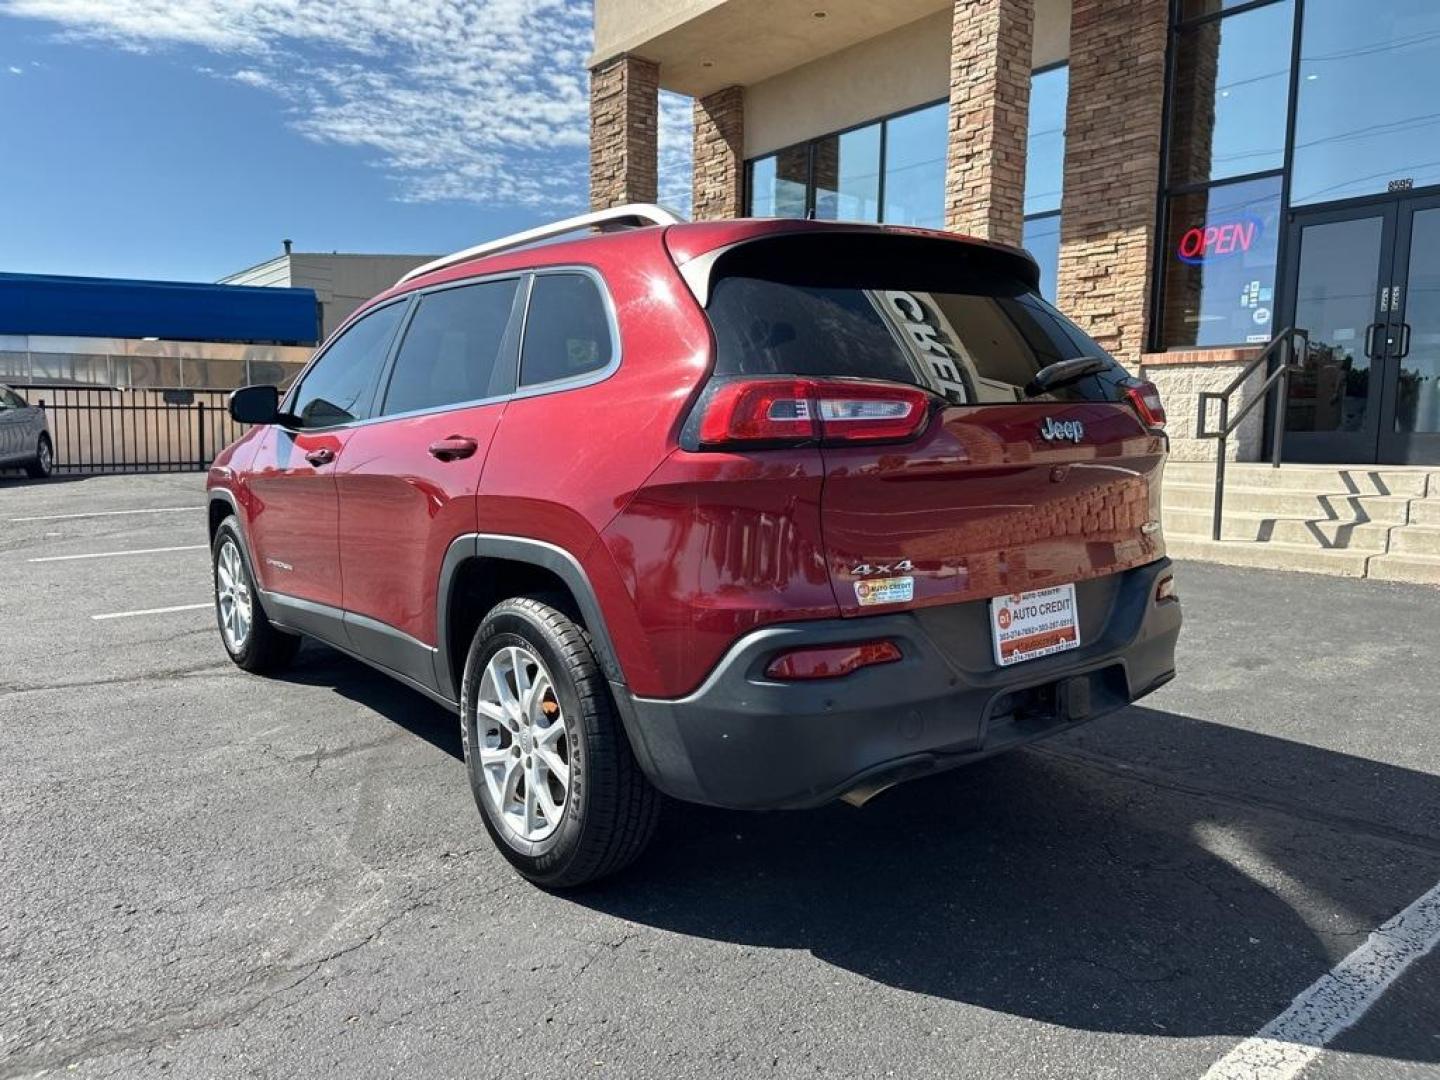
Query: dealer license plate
(1026, 626)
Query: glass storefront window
(847, 175)
(915, 168)
(1232, 90)
(1366, 117)
(777, 183)
(1219, 265)
(1042, 240)
(1045, 145)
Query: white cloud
(478, 100)
(15, 70)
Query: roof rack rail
(616, 217)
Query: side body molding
(518, 549)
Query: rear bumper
(746, 741)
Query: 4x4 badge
(1052, 429)
(904, 566)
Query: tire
(607, 810)
(43, 463)
(252, 641)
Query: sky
(185, 139)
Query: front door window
(1417, 398)
(1335, 300)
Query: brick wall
(718, 178)
(1112, 168)
(624, 131)
(990, 51)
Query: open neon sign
(1208, 242)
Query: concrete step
(1314, 560)
(1399, 566)
(1275, 502)
(1425, 512)
(1265, 528)
(1322, 479)
(1416, 540)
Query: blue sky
(184, 139)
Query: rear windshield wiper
(1063, 373)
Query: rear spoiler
(847, 253)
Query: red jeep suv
(756, 514)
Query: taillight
(790, 411)
(831, 661)
(1144, 398)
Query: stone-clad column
(991, 43)
(624, 131)
(1112, 169)
(719, 162)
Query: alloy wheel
(232, 593)
(524, 749)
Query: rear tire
(252, 641)
(550, 767)
(43, 463)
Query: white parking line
(109, 513)
(1286, 1045)
(115, 554)
(150, 611)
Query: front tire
(550, 767)
(43, 463)
(252, 641)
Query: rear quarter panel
(564, 464)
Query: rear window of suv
(933, 315)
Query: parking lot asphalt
(209, 874)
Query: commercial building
(109, 332)
(342, 281)
(1191, 176)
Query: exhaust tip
(859, 796)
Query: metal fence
(104, 430)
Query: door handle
(1370, 339)
(1404, 341)
(453, 448)
(321, 456)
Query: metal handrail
(631, 214)
(1282, 344)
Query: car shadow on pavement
(1189, 888)
(319, 665)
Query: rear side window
(567, 330)
(969, 332)
(340, 387)
(452, 351)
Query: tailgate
(986, 505)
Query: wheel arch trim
(522, 549)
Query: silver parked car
(24, 438)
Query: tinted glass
(915, 168)
(975, 348)
(1417, 407)
(452, 347)
(1335, 289)
(1042, 240)
(1045, 149)
(567, 330)
(777, 183)
(847, 176)
(1220, 247)
(11, 399)
(1232, 87)
(1366, 119)
(340, 387)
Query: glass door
(1339, 268)
(1410, 427)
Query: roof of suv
(685, 242)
